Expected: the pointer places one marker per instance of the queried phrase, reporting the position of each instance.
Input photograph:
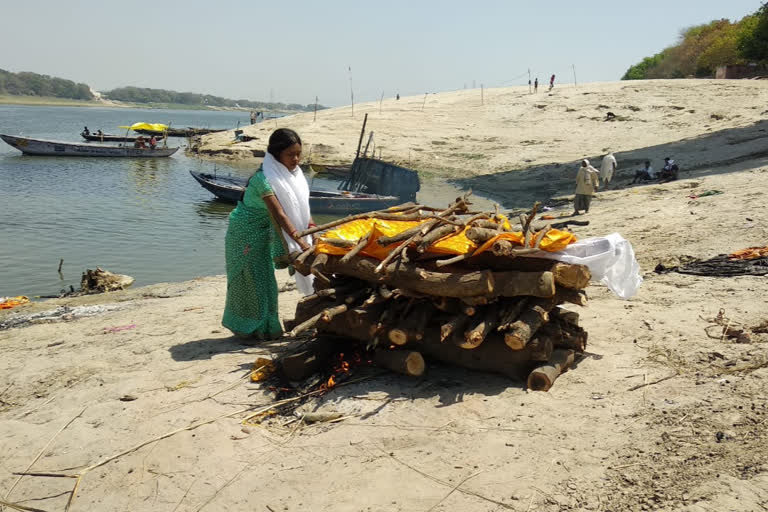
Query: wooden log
(435, 235)
(542, 378)
(513, 284)
(338, 242)
(454, 324)
(564, 335)
(329, 313)
(492, 356)
(487, 224)
(541, 348)
(481, 329)
(475, 301)
(412, 277)
(510, 310)
(566, 315)
(406, 362)
(412, 328)
(480, 235)
(521, 331)
(571, 276)
(578, 297)
(300, 365)
(361, 244)
(502, 248)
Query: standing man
(536, 85)
(253, 117)
(586, 185)
(607, 169)
(551, 82)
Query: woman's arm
(277, 212)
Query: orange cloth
(751, 253)
(12, 302)
(554, 240)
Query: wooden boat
(379, 177)
(60, 148)
(229, 189)
(105, 137)
(180, 132)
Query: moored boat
(230, 188)
(42, 147)
(105, 137)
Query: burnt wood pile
(497, 310)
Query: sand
(158, 360)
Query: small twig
(42, 451)
(452, 490)
(633, 388)
(24, 508)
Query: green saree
(252, 243)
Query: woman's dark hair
(281, 139)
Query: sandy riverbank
(160, 361)
(484, 146)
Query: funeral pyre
(465, 288)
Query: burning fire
(343, 366)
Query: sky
(295, 51)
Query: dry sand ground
(591, 443)
(452, 440)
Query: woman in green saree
(264, 226)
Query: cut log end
(406, 362)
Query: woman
(586, 183)
(264, 226)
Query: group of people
(668, 172)
(86, 131)
(141, 142)
(588, 178)
(536, 84)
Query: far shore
(47, 101)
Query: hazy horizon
(265, 52)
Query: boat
(60, 148)
(230, 188)
(179, 132)
(375, 176)
(105, 137)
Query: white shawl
(292, 191)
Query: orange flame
(331, 382)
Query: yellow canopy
(152, 127)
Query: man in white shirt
(607, 169)
(645, 174)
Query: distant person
(536, 85)
(253, 117)
(86, 131)
(587, 182)
(98, 132)
(152, 142)
(139, 143)
(398, 96)
(551, 82)
(607, 169)
(644, 174)
(669, 171)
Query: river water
(145, 218)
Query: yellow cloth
(554, 240)
(12, 302)
(152, 127)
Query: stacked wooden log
(500, 311)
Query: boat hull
(107, 138)
(229, 189)
(40, 147)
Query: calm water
(145, 218)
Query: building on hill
(734, 71)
